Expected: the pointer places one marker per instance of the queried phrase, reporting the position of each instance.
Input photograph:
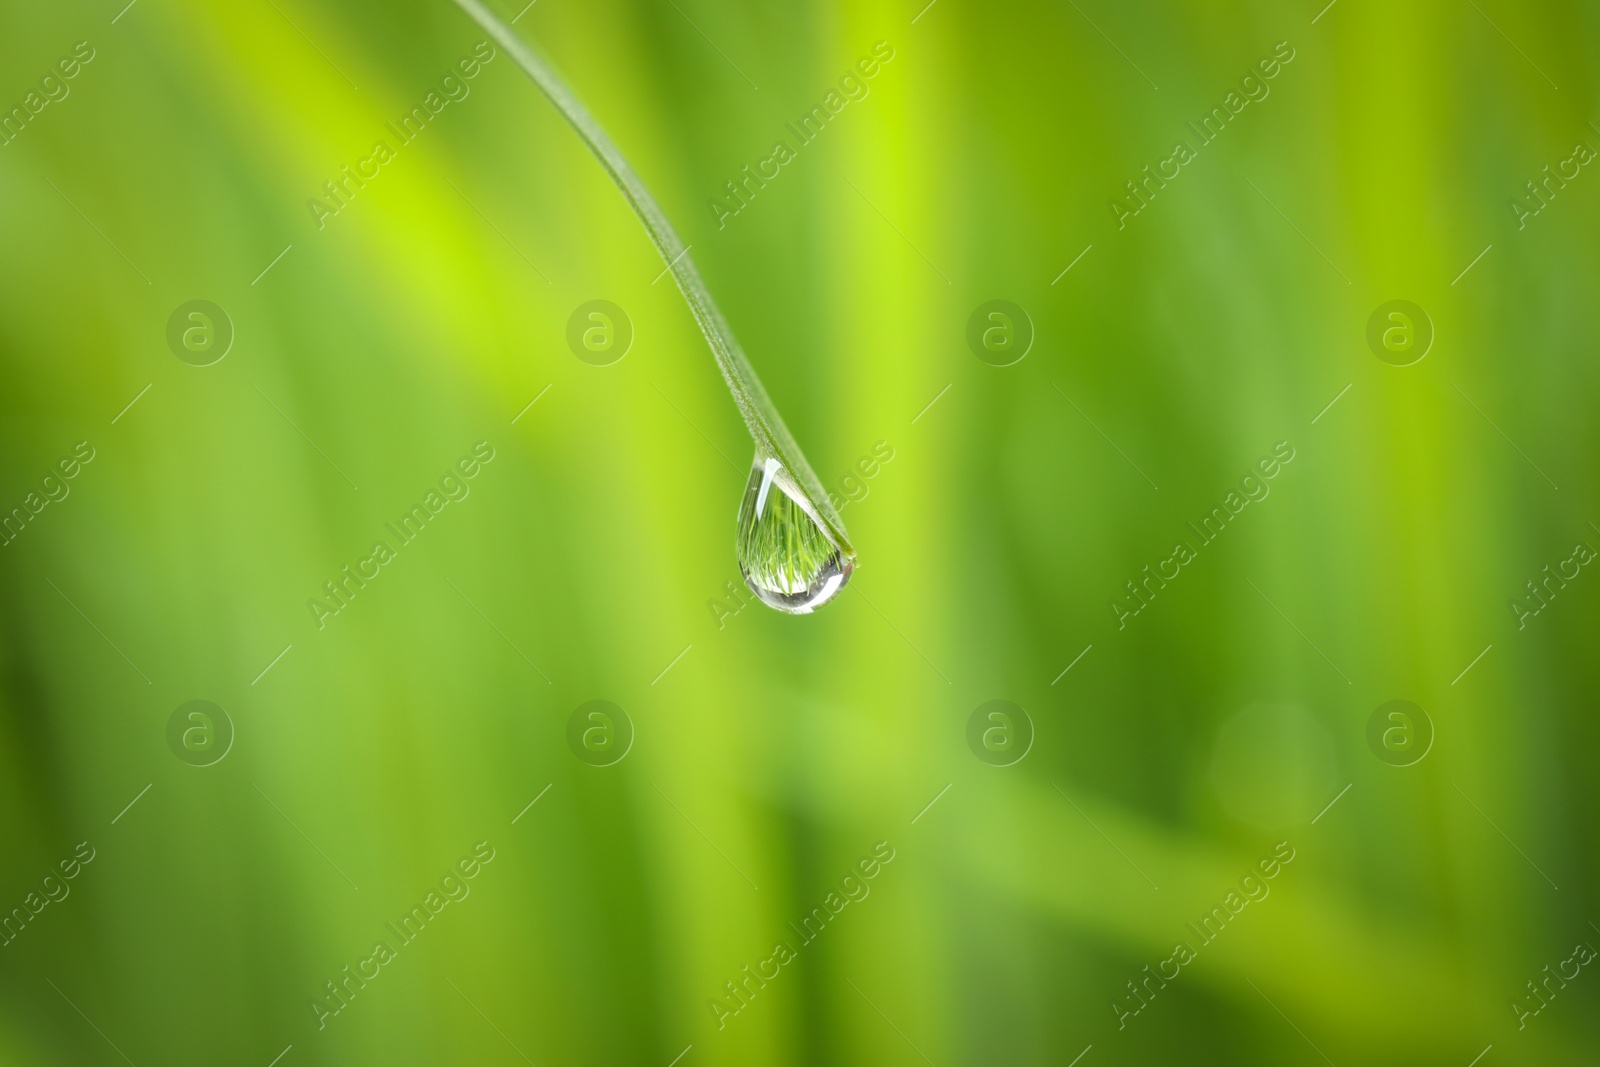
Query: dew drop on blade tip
(786, 556)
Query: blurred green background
(770, 755)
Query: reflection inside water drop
(787, 558)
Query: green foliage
(336, 580)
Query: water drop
(786, 556)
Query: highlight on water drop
(786, 556)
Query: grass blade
(766, 426)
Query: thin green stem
(766, 426)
